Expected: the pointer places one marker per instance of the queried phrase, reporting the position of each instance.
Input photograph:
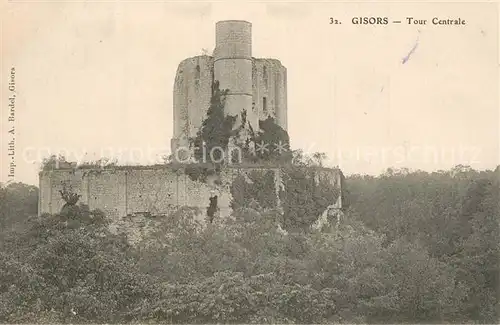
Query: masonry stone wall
(191, 98)
(193, 91)
(124, 191)
(130, 195)
(233, 67)
(270, 91)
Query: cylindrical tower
(233, 66)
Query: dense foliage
(257, 187)
(305, 199)
(454, 215)
(272, 143)
(414, 247)
(215, 131)
(18, 201)
(200, 172)
(300, 196)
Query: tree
(54, 162)
(319, 158)
(18, 202)
(211, 142)
(413, 247)
(70, 272)
(272, 142)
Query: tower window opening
(197, 75)
(264, 104)
(264, 76)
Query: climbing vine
(305, 199)
(200, 172)
(212, 139)
(272, 143)
(302, 198)
(257, 187)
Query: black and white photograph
(249, 162)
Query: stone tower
(257, 86)
(233, 66)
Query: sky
(95, 79)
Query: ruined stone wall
(191, 98)
(270, 91)
(192, 94)
(131, 190)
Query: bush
(216, 129)
(414, 247)
(68, 267)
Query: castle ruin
(256, 86)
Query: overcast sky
(97, 78)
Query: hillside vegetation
(414, 247)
